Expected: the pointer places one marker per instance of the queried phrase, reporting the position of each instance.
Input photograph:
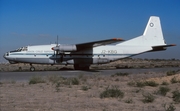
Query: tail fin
(152, 35)
(153, 32)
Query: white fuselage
(43, 54)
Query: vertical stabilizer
(153, 32)
(152, 35)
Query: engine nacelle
(65, 48)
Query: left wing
(83, 46)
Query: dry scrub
(118, 92)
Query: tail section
(153, 32)
(152, 35)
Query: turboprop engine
(65, 48)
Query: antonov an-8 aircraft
(97, 52)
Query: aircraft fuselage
(43, 54)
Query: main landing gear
(32, 68)
(81, 67)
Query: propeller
(56, 52)
(54, 49)
(57, 45)
(61, 59)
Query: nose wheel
(32, 68)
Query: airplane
(98, 52)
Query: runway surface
(25, 76)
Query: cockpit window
(24, 49)
(20, 49)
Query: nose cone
(6, 55)
(10, 59)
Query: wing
(83, 46)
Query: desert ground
(118, 92)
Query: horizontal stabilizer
(161, 47)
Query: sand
(22, 96)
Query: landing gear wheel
(86, 68)
(77, 67)
(32, 68)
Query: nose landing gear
(32, 68)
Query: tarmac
(25, 76)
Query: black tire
(77, 67)
(85, 68)
(32, 68)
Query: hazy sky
(33, 22)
